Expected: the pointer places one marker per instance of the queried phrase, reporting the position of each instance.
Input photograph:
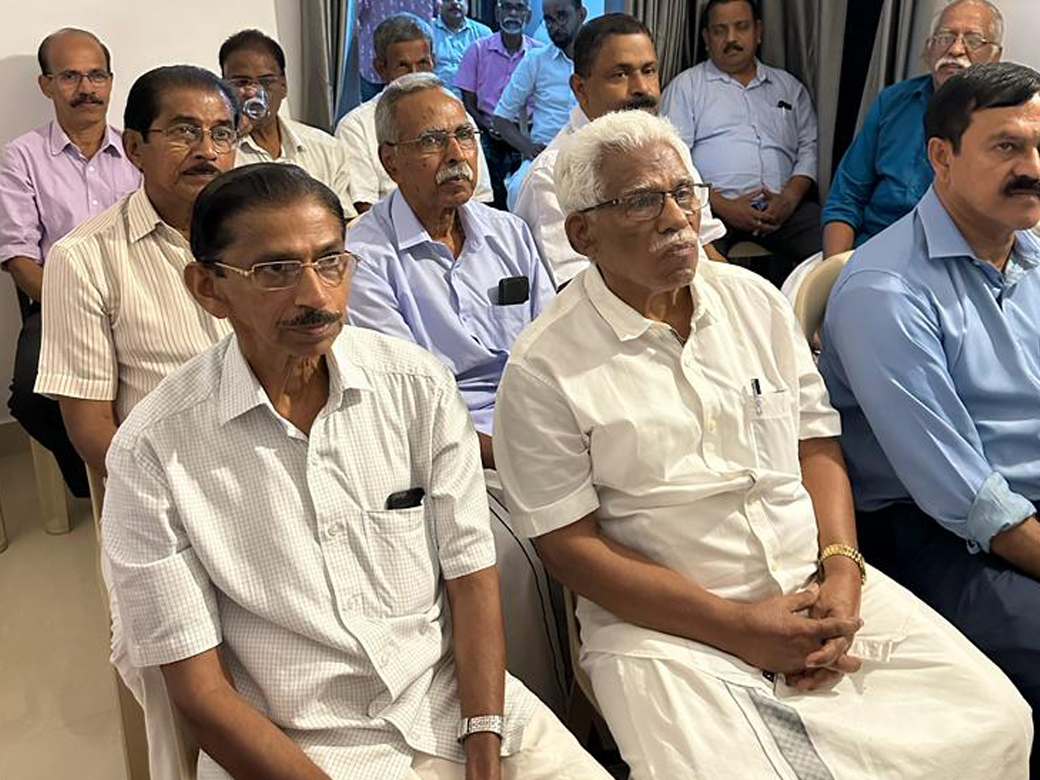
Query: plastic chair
(745, 251)
(582, 707)
(811, 301)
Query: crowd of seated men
(359, 423)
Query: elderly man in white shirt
(403, 44)
(615, 69)
(662, 432)
(254, 64)
(297, 527)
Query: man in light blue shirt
(453, 33)
(462, 280)
(931, 352)
(886, 170)
(752, 131)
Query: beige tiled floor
(57, 697)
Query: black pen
(756, 392)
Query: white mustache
(685, 236)
(961, 61)
(454, 171)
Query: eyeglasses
(70, 79)
(185, 136)
(283, 274)
(514, 8)
(647, 205)
(972, 40)
(436, 141)
(266, 82)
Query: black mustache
(641, 102)
(312, 317)
(202, 168)
(81, 99)
(732, 47)
(1022, 184)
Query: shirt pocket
(401, 554)
(506, 322)
(773, 431)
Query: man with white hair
(456, 277)
(662, 432)
(885, 171)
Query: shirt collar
(495, 44)
(578, 119)
(555, 52)
(59, 140)
(142, 216)
(440, 25)
(943, 239)
(409, 232)
(290, 140)
(241, 391)
(715, 74)
(626, 322)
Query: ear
(380, 67)
(580, 235)
(578, 88)
(132, 142)
(45, 85)
(388, 157)
(940, 155)
(582, 14)
(758, 32)
(202, 284)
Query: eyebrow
(332, 248)
(247, 76)
(194, 120)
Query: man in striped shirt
(117, 317)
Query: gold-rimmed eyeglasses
(283, 274)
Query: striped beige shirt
(324, 157)
(117, 317)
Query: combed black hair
(756, 10)
(593, 34)
(253, 40)
(990, 85)
(143, 103)
(256, 186)
(45, 44)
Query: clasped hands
(806, 636)
(758, 212)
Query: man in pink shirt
(483, 74)
(52, 179)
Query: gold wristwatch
(847, 551)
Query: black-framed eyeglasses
(70, 79)
(283, 274)
(645, 205)
(972, 40)
(436, 141)
(185, 135)
(244, 82)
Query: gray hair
(386, 108)
(998, 18)
(578, 174)
(399, 29)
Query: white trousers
(927, 705)
(548, 752)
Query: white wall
(1021, 23)
(140, 35)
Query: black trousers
(502, 160)
(994, 605)
(798, 238)
(41, 416)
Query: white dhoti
(927, 705)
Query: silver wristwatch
(472, 725)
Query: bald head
(64, 37)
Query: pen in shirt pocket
(756, 393)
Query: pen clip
(756, 393)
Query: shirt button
(334, 531)
(774, 565)
(711, 425)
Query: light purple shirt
(370, 14)
(47, 188)
(486, 67)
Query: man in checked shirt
(298, 530)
